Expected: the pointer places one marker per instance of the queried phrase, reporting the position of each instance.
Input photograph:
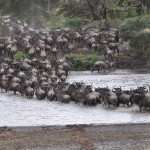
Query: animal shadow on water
(106, 107)
(11, 94)
(143, 110)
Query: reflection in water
(19, 111)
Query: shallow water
(19, 111)
(127, 79)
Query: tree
(97, 9)
(137, 31)
(86, 9)
(27, 9)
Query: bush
(131, 12)
(140, 43)
(113, 23)
(131, 26)
(19, 55)
(55, 22)
(59, 22)
(84, 62)
(133, 29)
(78, 65)
(73, 23)
(95, 24)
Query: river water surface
(19, 111)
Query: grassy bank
(84, 62)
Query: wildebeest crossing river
(19, 111)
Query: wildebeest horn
(114, 86)
(113, 90)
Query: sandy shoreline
(76, 137)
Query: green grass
(55, 22)
(59, 22)
(73, 23)
(19, 55)
(84, 62)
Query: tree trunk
(49, 11)
(101, 15)
(95, 16)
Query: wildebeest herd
(44, 74)
(46, 43)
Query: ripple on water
(19, 111)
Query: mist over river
(20, 111)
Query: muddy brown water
(20, 111)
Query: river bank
(85, 62)
(128, 62)
(76, 137)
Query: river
(20, 111)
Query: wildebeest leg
(127, 104)
(93, 104)
(104, 103)
(140, 108)
(11, 55)
(110, 57)
(105, 56)
(104, 100)
(109, 104)
(117, 104)
(98, 68)
(114, 51)
(103, 69)
(117, 50)
(140, 105)
(1, 52)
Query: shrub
(131, 12)
(55, 22)
(113, 23)
(78, 65)
(95, 24)
(19, 55)
(131, 26)
(73, 23)
(84, 62)
(133, 29)
(59, 22)
(141, 44)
